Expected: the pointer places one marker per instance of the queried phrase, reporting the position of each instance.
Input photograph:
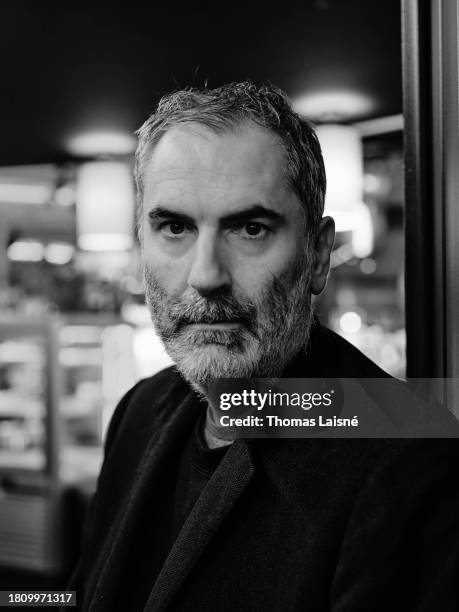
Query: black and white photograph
(229, 306)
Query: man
(231, 188)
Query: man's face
(226, 264)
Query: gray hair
(230, 106)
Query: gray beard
(271, 331)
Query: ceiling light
(381, 125)
(332, 105)
(59, 253)
(105, 242)
(26, 250)
(105, 206)
(23, 193)
(363, 232)
(102, 143)
(342, 152)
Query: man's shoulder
(329, 354)
(157, 386)
(142, 405)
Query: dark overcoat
(283, 525)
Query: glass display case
(96, 367)
(29, 502)
(60, 380)
(23, 390)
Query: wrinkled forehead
(192, 159)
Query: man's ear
(322, 249)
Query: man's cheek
(172, 281)
(157, 278)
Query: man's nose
(209, 271)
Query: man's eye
(252, 230)
(173, 228)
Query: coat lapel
(162, 446)
(220, 494)
(218, 497)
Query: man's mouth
(221, 324)
(217, 324)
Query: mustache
(215, 309)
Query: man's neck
(211, 439)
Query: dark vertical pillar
(431, 106)
(423, 229)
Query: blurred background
(77, 80)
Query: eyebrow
(163, 213)
(252, 212)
